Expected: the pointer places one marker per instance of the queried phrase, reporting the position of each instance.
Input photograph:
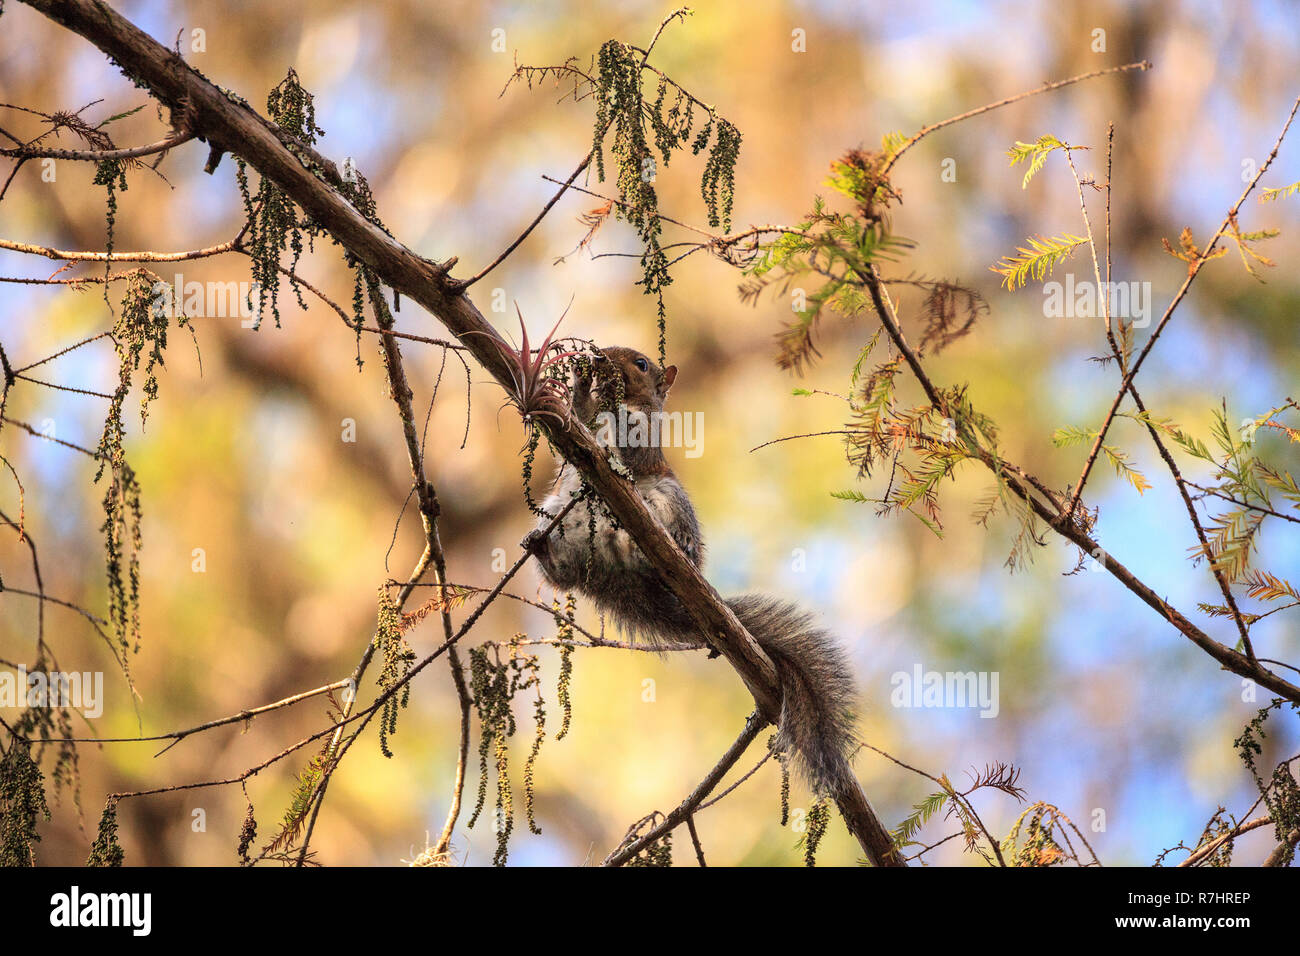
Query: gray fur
(817, 691)
(816, 721)
(619, 580)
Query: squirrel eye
(643, 365)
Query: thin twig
(1045, 88)
(1193, 271)
(1200, 853)
(1103, 294)
(463, 284)
(99, 155)
(753, 725)
(138, 256)
(695, 839)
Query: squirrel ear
(670, 376)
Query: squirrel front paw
(534, 542)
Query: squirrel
(817, 714)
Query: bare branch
(1045, 88)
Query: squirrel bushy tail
(590, 554)
(816, 723)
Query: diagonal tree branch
(1121, 360)
(1192, 272)
(312, 181)
(1062, 522)
(686, 809)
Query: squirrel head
(617, 376)
(621, 375)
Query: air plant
(536, 391)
